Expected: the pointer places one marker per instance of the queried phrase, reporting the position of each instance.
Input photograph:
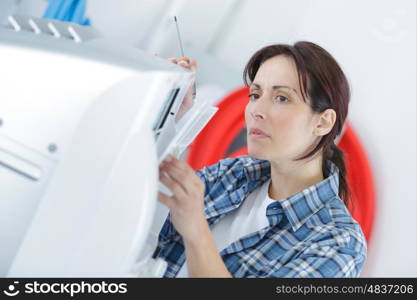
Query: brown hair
(325, 84)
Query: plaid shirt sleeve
(211, 174)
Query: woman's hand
(188, 101)
(187, 212)
(187, 202)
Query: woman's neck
(290, 177)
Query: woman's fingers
(175, 172)
(185, 62)
(173, 60)
(176, 188)
(181, 173)
(175, 162)
(190, 64)
(193, 65)
(164, 199)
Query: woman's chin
(257, 153)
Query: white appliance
(83, 124)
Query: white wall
(373, 40)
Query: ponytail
(337, 156)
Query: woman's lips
(258, 136)
(257, 133)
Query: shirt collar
(300, 207)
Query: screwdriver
(182, 53)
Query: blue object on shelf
(68, 11)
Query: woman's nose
(257, 115)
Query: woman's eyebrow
(276, 87)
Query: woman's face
(276, 107)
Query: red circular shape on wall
(212, 144)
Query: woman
(281, 210)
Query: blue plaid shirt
(310, 234)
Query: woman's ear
(325, 122)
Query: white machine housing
(80, 118)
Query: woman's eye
(253, 97)
(282, 98)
